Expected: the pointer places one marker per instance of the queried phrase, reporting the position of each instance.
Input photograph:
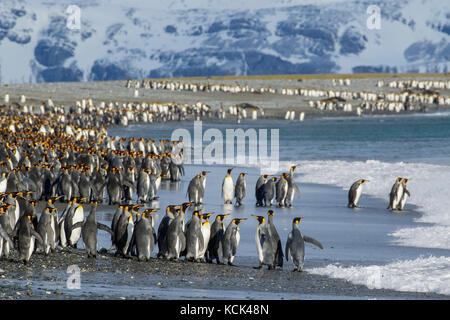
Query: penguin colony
(49, 155)
(332, 99)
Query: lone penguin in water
(405, 195)
(228, 188)
(295, 245)
(396, 194)
(355, 193)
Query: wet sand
(349, 237)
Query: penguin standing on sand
(47, 229)
(240, 188)
(194, 237)
(405, 195)
(217, 232)
(123, 233)
(228, 188)
(206, 233)
(75, 214)
(144, 236)
(295, 245)
(89, 231)
(164, 227)
(26, 235)
(176, 239)
(354, 193)
(263, 247)
(275, 241)
(230, 241)
(5, 229)
(396, 194)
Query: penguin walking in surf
(396, 194)
(295, 245)
(354, 193)
(405, 195)
(228, 188)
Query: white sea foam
(429, 191)
(428, 187)
(420, 275)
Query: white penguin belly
(358, 195)
(31, 248)
(258, 246)
(77, 217)
(228, 189)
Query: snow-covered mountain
(135, 39)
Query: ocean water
(338, 151)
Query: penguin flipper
(77, 225)
(288, 246)
(37, 236)
(104, 227)
(183, 241)
(4, 235)
(312, 241)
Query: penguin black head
(293, 168)
(195, 213)
(204, 173)
(220, 217)
(236, 221)
(363, 180)
(405, 180)
(206, 216)
(266, 176)
(229, 171)
(399, 179)
(270, 213)
(260, 219)
(297, 220)
(243, 174)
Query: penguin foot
(257, 268)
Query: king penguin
(89, 231)
(259, 189)
(206, 233)
(269, 191)
(27, 236)
(275, 241)
(240, 188)
(405, 195)
(144, 236)
(295, 245)
(214, 250)
(195, 189)
(263, 247)
(396, 194)
(230, 241)
(281, 188)
(194, 237)
(354, 193)
(228, 188)
(292, 188)
(176, 239)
